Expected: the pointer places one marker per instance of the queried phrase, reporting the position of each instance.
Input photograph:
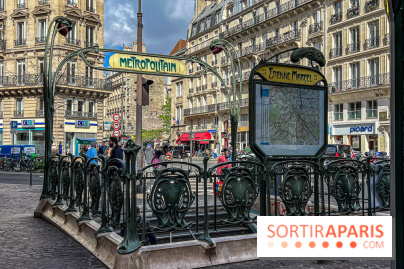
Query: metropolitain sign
(146, 64)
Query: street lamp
(62, 26)
(216, 47)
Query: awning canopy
(85, 141)
(197, 136)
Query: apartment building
(358, 63)
(80, 90)
(258, 29)
(122, 101)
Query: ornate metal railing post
(72, 170)
(85, 214)
(104, 217)
(59, 185)
(131, 242)
(205, 236)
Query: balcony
(72, 3)
(40, 40)
(386, 39)
(282, 38)
(19, 114)
(72, 41)
(338, 116)
(371, 6)
(335, 52)
(191, 71)
(191, 90)
(21, 5)
(37, 80)
(353, 48)
(335, 18)
(80, 114)
(246, 75)
(204, 87)
(354, 115)
(214, 84)
(212, 108)
(214, 62)
(198, 68)
(43, 2)
(90, 9)
(352, 12)
(90, 44)
(277, 11)
(198, 88)
(20, 42)
(224, 60)
(316, 27)
(243, 123)
(360, 83)
(371, 43)
(203, 44)
(40, 113)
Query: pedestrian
(116, 150)
(215, 153)
(67, 151)
(83, 150)
(163, 157)
(149, 154)
(92, 152)
(102, 149)
(224, 157)
(156, 159)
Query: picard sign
(287, 74)
(146, 64)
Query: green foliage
(165, 115)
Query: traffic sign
(116, 133)
(14, 127)
(116, 117)
(116, 125)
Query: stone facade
(80, 90)
(123, 100)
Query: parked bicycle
(19, 164)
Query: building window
(91, 108)
(178, 90)
(21, 4)
(71, 36)
(1, 9)
(354, 3)
(218, 17)
(371, 110)
(202, 26)
(354, 111)
(40, 104)
(338, 8)
(1, 72)
(337, 77)
(89, 76)
(374, 71)
(41, 31)
(21, 72)
(207, 22)
(19, 105)
(338, 112)
(194, 29)
(20, 40)
(69, 106)
(294, 27)
(80, 107)
(71, 73)
(355, 75)
(90, 7)
(229, 12)
(373, 40)
(216, 121)
(90, 40)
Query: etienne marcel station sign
(146, 64)
(287, 74)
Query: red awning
(197, 136)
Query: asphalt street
(12, 177)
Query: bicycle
(23, 163)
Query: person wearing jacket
(149, 154)
(116, 151)
(102, 149)
(224, 157)
(92, 152)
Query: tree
(165, 116)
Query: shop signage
(116, 133)
(365, 129)
(287, 74)
(28, 123)
(116, 125)
(82, 124)
(107, 126)
(361, 129)
(146, 64)
(116, 117)
(14, 127)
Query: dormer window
(202, 26)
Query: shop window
(354, 111)
(22, 138)
(371, 109)
(338, 112)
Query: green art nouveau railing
(182, 201)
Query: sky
(164, 23)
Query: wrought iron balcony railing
(80, 114)
(352, 12)
(353, 48)
(90, 44)
(37, 79)
(243, 123)
(204, 87)
(214, 62)
(198, 88)
(282, 38)
(21, 5)
(371, 6)
(338, 116)
(191, 90)
(203, 44)
(246, 75)
(224, 60)
(360, 83)
(19, 114)
(316, 27)
(212, 107)
(43, 2)
(214, 84)
(40, 113)
(20, 42)
(40, 40)
(386, 39)
(284, 8)
(335, 18)
(191, 71)
(371, 43)
(336, 52)
(72, 41)
(72, 3)
(90, 9)
(3, 44)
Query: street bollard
(30, 176)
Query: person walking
(224, 157)
(92, 152)
(83, 150)
(116, 150)
(149, 154)
(102, 149)
(156, 159)
(215, 153)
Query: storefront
(1, 132)
(76, 132)
(201, 141)
(31, 132)
(362, 137)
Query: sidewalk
(28, 242)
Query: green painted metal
(104, 228)
(78, 172)
(383, 184)
(65, 167)
(85, 215)
(115, 192)
(59, 200)
(53, 170)
(94, 186)
(73, 168)
(131, 241)
(205, 236)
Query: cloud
(165, 22)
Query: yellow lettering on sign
(287, 74)
(146, 64)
